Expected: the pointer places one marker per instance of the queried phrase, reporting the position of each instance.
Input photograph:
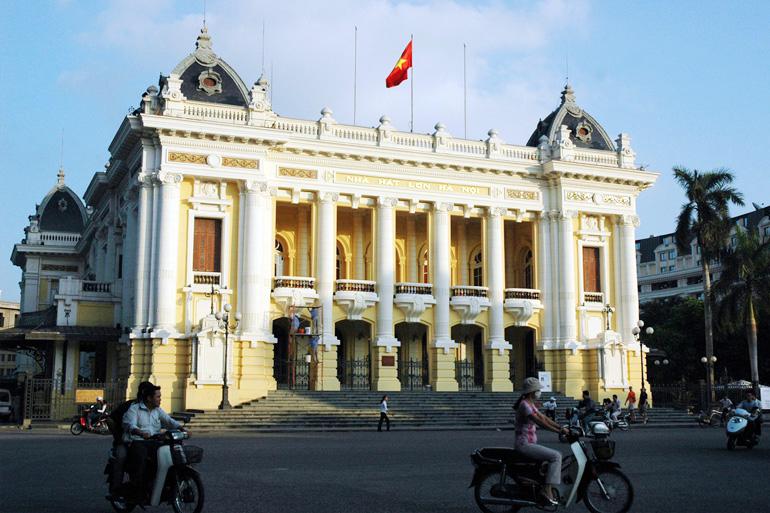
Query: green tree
(744, 282)
(706, 218)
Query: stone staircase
(292, 410)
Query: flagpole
(411, 123)
(465, 98)
(355, 70)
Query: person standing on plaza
(643, 404)
(527, 419)
(631, 403)
(726, 404)
(550, 408)
(384, 413)
(616, 407)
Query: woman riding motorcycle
(528, 417)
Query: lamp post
(224, 320)
(709, 362)
(637, 331)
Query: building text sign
(414, 185)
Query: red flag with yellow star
(399, 73)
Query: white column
(544, 256)
(510, 257)
(325, 262)
(462, 254)
(629, 298)
(152, 253)
(495, 258)
(567, 284)
(110, 262)
(257, 262)
(411, 251)
(359, 270)
(302, 242)
(441, 275)
(167, 255)
(129, 263)
(386, 272)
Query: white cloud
(512, 81)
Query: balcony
(355, 296)
(207, 278)
(593, 297)
(522, 304)
(297, 291)
(96, 286)
(469, 302)
(413, 299)
(86, 302)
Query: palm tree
(743, 283)
(706, 218)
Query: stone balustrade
(207, 278)
(469, 291)
(514, 293)
(294, 282)
(414, 288)
(356, 286)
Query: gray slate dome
(585, 131)
(61, 210)
(208, 78)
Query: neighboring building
(435, 261)
(9, 313)
(663, 271)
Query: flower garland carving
(521, 194)
(310, 174)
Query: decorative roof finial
(60, 177)
(568, 95)
(203, 52)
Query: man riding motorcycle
(96, 411)
(144, 419)
(752, 405)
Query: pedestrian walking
(726, 404)
(631, 403)
(643, 404)
(550, 408)
(384, 413)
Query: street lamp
(708, 362)
(637, 331)
(224, 323)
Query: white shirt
(549, 405)
(140, 417)
(384, 407)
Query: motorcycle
(174, 480)
(80, 424)
(621, 424)
(590, 425)
(741, 429)
(505, 480)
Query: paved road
(677, 470)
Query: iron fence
(354, 374)
(467, 373)
(293, 374)
(54, 399)
(413, 374)
(694, 394)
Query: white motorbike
(741, 429)
(506, 481)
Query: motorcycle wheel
(122, 507)
(482, 494)
(730, 443)
(609, 491)
(189, 496)
(623, 426)
(76, 428)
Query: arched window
(528, 281)
(477, 268)
(340, 264)
(424, 266)
(278, 258)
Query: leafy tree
(706, 218)
(744, 283)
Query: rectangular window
(591, 270)
(92, 362)
(672, 268)
(120, 266)
(663, 256)
(2, 320)
(207, 245)
(672, 254)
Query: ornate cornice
(310, 174)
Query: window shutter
(207, 245)
(591, 270)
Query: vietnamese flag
(399, 73)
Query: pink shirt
(526, 430)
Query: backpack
(115, 421)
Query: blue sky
(688, 80)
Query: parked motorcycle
(174, 480)
(505, 480)
(80, 424)
(742, 428)
(591, 425)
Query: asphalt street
(677, 470)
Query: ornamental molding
(443, 207)
(240, 162)
(212, 160)
(521, 194)
(383, 201)
(186, 158)
(310, 174)
(167, 178)
(496, 211)
(328, 197)
(598, 198)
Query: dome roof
(208, 78)
(585, 131)
(61, 210)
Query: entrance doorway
(413, 355)
(353, 354)
(291, 368)
(523, 363)
(470, 356)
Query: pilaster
(168, 250)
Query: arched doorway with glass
(413, 360)
(291, 357)
(524, 362)
(470, 356)
(353, 354)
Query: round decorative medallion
(210, 82)
(62, 204)
(583, 132)
(214, 160)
